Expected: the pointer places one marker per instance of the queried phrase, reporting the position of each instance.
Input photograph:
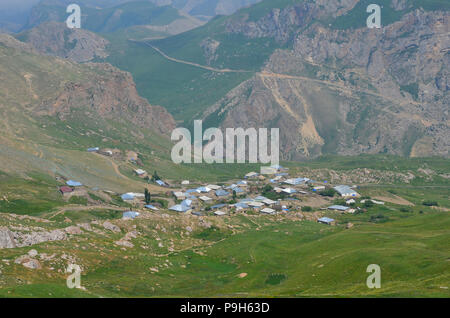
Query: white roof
(268, 201)
(205, 198)
(140, 171)
(255, 204)
(268, 211)
(138, 195)
(214, 186)
(345, 191)
(185, 182)
(251, 174)
(220, 213)
(179, 194)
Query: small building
(319, 188)
(213, 187)
(326, 220)
(338, 208)
(222, 193)
(351, 201)
(220, 213)
(346, 191)
(161, 183)
(140, 172)
(65, 190)
(151, 207)
(204, 190)
(187, 203)
(260, 198)
(238, 190)
(72, 183)
(179, 195)
(185, 182)
(269, 202)
(268, 211)
(180, 208)
(130, 215)
(255, 204)
(241, 206)
(205, 198)
(95, 149)
(218, 206)
(296, 181)
(128, 196)
(289, 191)
(251, 175)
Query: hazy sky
(17, 4)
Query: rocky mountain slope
(351, 91)
(56, 39)
(320, 75)
(52, 109)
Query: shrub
(328, 192)
(430, 203)
(306, 208)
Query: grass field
(281, 257)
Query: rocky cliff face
(49, 86)
(282, 24)
(57, 39)
(111, 96)
(348, 91)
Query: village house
(65, 190)
(346, 191)
(251, 175)
(205, 198)
(339, 208)
(179, 195)
(141, 173)
(268, 211)
(327, 221)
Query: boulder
(7, 238)
(32, 253)
(112, 227)
(75, 230)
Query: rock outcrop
(57, 39)
(6, 238)
(346, 91)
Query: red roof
(65, 189)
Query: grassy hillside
(280, 257)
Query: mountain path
(266, 74)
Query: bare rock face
(33, 253)
(40, 237)
(348, 91)
(28, 262)
(74, 230)
(112, 227)
(6, 238)
(112, 96)
(56, 39)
